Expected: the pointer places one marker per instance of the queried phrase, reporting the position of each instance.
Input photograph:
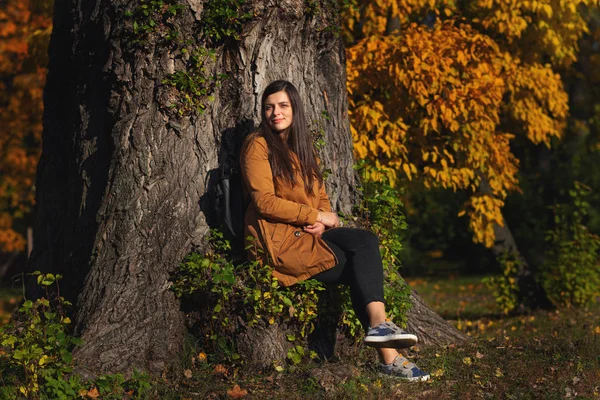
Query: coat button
(297, 233)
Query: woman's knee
(369, 238)
(352, 238)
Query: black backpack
(225, 189)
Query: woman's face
(278, 111)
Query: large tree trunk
(121, 175)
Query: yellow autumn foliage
(25, 28)
(535, 29)
(441, 102)
(529, 29)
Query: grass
(542, 355)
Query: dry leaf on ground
(237, 392)
(220, 369)
(93, 393)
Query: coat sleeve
(324, 203)
(258, 178)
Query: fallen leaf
(237, 392)
(93, 393)
(479, 355)
(187, 373)
(220, 369)
(499, 372)
(467, 361)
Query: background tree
(439, 90)
(24, 32)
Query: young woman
(290, 220)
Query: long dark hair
(299, 142)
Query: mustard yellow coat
(275, 217)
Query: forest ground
(542, 355)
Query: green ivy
(153, 16)
(244, 290)
(311, 7)
(318, 129)
(194, 86)
(223, 19)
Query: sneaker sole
(400, 341)
(423, 378)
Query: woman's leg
(376, 313)
(365, 270)
(360, 267)
(341, 273)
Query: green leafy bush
(35, 354)
(37, 346)
(246, 291)
(571, 274)
(382, 210)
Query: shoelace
(393, 327)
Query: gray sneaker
(403, 369)
(388, 335)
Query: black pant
(359, 266)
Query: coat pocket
(293, 253)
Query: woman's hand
(329, 219)
(316, 230)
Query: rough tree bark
(121, 176)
